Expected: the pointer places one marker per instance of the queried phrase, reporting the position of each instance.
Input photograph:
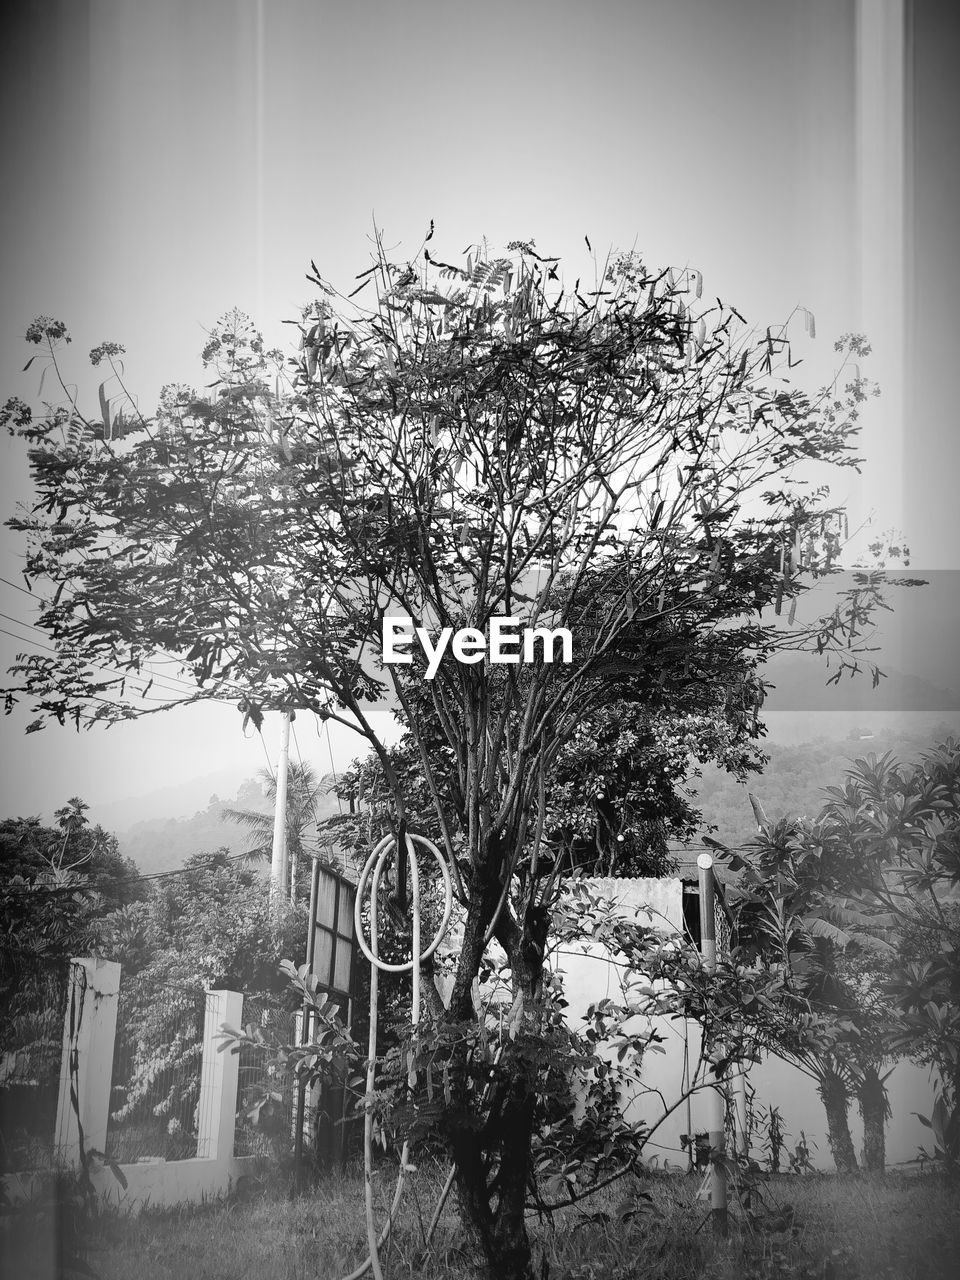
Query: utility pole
(715, 1097)
(278, 860)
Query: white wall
(589, 975)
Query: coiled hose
(370, 876)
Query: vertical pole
(278, 869)
(691, 1136)
(708, 950)
(305, 1017)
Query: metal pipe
(278, 858)
(708, 950)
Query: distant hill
(801, 684)
(792, 784)
(161, 844)
(179, 800)
(797, 774)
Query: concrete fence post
(90, 1027)
(219, 1076)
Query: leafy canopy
(619, 458)
(464, 440)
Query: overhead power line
(161, 682)
(114, 884)
(16, 586)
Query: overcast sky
(166, 162)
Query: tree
(859, 906)
(793, 911)
(55, 883)
(903, 820)
(619, 792)
(871, 1045)
(208, 925)
(621, 788)
(304, 789)
(614, 458)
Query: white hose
(375, 864)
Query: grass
(808, 1228)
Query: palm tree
(70, 819)
(832, 969)
(304, 790)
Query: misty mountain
(161, 844)
(179, 800)
(800, 682)
(797, 774)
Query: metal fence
(33, 999)
(266, 1095)
(156, 1074)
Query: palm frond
(249, 818)
(818, 927)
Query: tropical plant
(859, 908)
(304, 790)
(55, 883)
(793, 906)
(904, 822)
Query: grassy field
(807, 1228)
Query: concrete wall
(150, 1183)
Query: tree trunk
(497, 1232)
(512, 1115)
(833, 1092)
(511, 1254)
(495, 1139)
(873, 1108)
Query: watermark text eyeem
(509, 642)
